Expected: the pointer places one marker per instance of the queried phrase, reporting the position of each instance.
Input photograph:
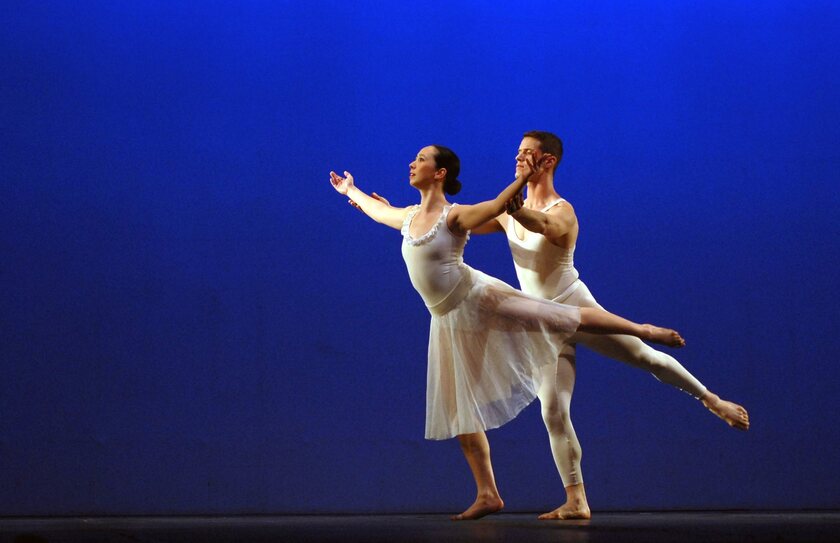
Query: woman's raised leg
(598, 321)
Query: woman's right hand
(341, 184)
(375, 207)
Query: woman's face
(422, 169)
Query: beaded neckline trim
(428, 236)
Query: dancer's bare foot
(733, 414)
(482, 507)
(576, 506)
(568, 511)
(663, 336)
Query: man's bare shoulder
(564, 211)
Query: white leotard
(543, 268)
(548, 271)
(487, 340)
(435, 263)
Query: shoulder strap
(407, 220)
(552, 204)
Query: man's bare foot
(733, 414)
(568, 511)
(576, 506)
(481, 508)
(663, 336)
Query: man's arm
(555, 224)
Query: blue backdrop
(193, 321)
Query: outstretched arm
(373, 208)
(467, 217)
(490, 227)
(375, 197)
(554, 224)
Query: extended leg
(664, 367)
(598, 321)
(477, 452)
(555, 394)
(733, 414)
(532, 311)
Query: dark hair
(549, 143)
(446, 158)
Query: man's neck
(541, 193)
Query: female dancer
(487, 340)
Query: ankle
(488, 495)
(576, 494)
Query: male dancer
(542, 231)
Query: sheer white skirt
(485, 355)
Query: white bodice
(435, 261)
(543, 269)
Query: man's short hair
(549, 143)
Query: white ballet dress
(487, 340)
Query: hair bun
(452, 187)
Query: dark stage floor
(706, 527)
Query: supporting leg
(558, 381)
(477, 452)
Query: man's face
(528, 147)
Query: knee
(470, 444)
(556, 417)
(650, 362)
(655, 361)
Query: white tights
(558, 382)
